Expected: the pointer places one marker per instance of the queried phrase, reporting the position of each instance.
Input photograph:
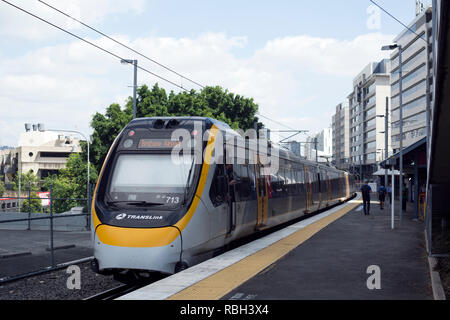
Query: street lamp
(42, 129)
(399, 47)
(134, 63)
(386, 138)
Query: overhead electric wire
(392, 16)
(274, 121)
(117, 56)
(92, 44)
(120, 43)
(137, 52)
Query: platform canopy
(417, 149)
(389, 172)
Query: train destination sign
(158, 144)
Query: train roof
(149, 120)
(283, 153)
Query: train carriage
(151, 213)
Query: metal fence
(36, 242)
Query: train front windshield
(155, 179)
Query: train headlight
(128, 143)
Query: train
(151, 213)
(9, 204)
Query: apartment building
(417, 55)
(367, 105)
(341, 136)
(324, 146)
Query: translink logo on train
(137, 217)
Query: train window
(138, 177)
(282, 181)
(276, 185)
(288, 177)
(237, 172)
(217, 192)
(291, 183)
(251, 176)
(301, 176)
(8, 205)
(3, 206)
(243, 187)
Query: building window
(55, 154)
(370, 134)
(370, 145)
(410, 76)
(371, 156)
(411, 105)
(370, 123)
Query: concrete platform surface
(27, 251)
(340, 261)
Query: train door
(320, 189)
(262, 196)
(327, 177)
(231, 178)
(308, 188)
(347, 186)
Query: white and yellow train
(150, 213)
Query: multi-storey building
(416, 44)
(367, 104)
(42, 153)
(341, 136)
(295, 147)
(324, 146)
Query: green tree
(71, 183)
(106, 128)
(237, 111)
(36, 204)
(27, 180)
(2, 186)
(61, 188)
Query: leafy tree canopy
(2, 186)
(27, 180)
(71, 183)
(214, 102)
(33, 205)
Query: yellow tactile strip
(224, 281)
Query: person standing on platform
(365, 191)
(389, 192)
(381, 195)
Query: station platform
(331, 256)
(24, 251)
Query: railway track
(114, 293)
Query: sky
(296, 59)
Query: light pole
(386, 139)
(42, 129)
(399, 47)
(134, 63)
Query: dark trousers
(366, 205)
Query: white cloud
(295, 80)
(16, 23)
